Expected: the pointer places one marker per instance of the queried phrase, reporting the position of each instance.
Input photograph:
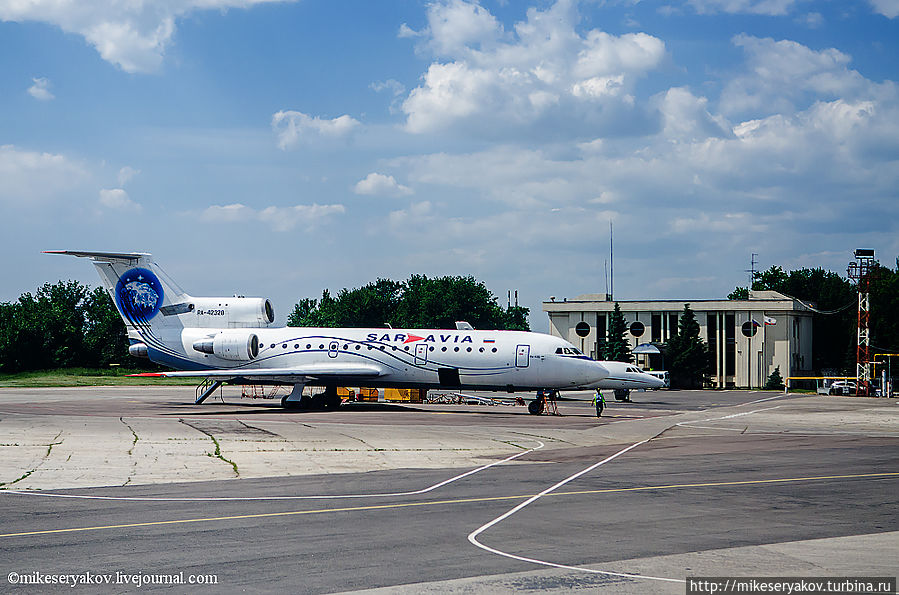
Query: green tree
(105, 341)
(688, 354)
(372, 305)
(418, 302)
(517, 318)
(48, 329)
(740, 293)
(773, 278)
(64, 324)
(441, 301)
(8, 331)
(303, 312)
(833, 327)
(884, 320)
(775, 380)
(323, 313)
(616, 345)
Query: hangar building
(783, 332)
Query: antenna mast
(751, 270)
(605, 265)
(611, 263)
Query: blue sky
(280, 148)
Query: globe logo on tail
(139, 295)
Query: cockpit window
(567, 351)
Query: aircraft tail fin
(144, 295)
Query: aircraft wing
(298, 373)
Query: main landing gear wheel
(329, 399)
(291, 404)
(536, 406)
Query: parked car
(842, 387)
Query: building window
(711, 326)
(730, 344)
(601, 331)
(672, 325)
(656, 328)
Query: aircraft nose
(598, 372)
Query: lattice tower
(860, 272)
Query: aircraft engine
(230, 344)
(231, 312)
(138, 350)
(252, 311)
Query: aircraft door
(332, 349)
(522, 355)
(421, 353)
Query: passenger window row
(383, 347)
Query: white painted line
(473, 536)
(258, 498)
(762, 400)
(692, 424)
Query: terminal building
(782, 338)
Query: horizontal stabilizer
(101, 255)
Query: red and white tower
(860, 271)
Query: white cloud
(394, 86)
(812, 20)
(118, 199)
(131, 35)
(782, 74)
(765, 7)
(455, 26)
(29, 176)
(605, 55)
(40, 89)
(545, 79)
(888, 8)
(696, 182)
(293, 127)
(686, 117)
(277, 218)
(228, 213)
(396, 90)
(721, 223)
(126, 174)
(381, 185)
(415, 216)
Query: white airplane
(234, 340)
(624, 377)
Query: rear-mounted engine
(232, 345)
(226, 312)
